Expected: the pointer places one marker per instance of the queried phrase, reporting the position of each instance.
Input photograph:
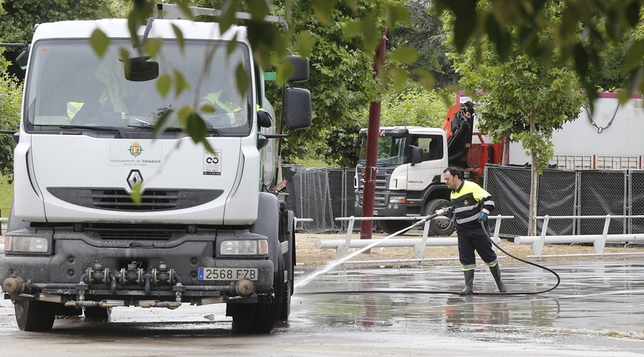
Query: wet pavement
(597, 310)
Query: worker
(471, 205)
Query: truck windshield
(68, 84)
(391, 150)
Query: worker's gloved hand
(483, 215)
(449, 212)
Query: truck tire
(261, 317)
(439, 227)
(37, 316)
(394, 226)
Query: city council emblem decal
(135, 149)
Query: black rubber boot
(469, 282)
(496, 273)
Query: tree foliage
(341, 81)
(425, 34)
(19, 17)
(582, 29)
(10, 96)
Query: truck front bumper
(81, 272)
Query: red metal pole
(366, 227)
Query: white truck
(410, 164)
(205, 229)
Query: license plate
(225, 274)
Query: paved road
(596, 311)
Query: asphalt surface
(596, 311)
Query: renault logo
(134, 178)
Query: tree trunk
(505, 159)
(534, 180)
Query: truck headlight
(20, 244)
(244, 247)
(394, 201)
(397, 199)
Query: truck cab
(409, 176)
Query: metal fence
(569, 193)
(325, 194)
(322, 194)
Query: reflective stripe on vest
(73, 108)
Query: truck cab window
(70, 85)
(432, 147)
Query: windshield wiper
(116, 129)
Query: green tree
(414, 106)
(522, 100)
(578, 35)
(425, 34)
(19, 17)
(10, 96)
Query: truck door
(434, 161)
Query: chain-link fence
(325, 194)
(321, 194)
(568, 193)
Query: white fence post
(419, 248)
(343, 250)
(600, 242)
(537, 246)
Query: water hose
(526, 262)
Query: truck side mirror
(416, 155)
(297, 108)
(356, 142)
(301, 66)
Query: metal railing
(598, 240)
(419, 244)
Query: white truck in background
(206, 229)
(410, 164)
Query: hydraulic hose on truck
(440, 212)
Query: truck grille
(382, 182)
(120, 200)
(135, 232)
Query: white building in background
(612, 137)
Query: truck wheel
(34, 315)
(97, 313)
(439, 227)
(263, 316)
(394, 226)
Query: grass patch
(309, 163)
(6, 196)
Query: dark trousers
(468, 242)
